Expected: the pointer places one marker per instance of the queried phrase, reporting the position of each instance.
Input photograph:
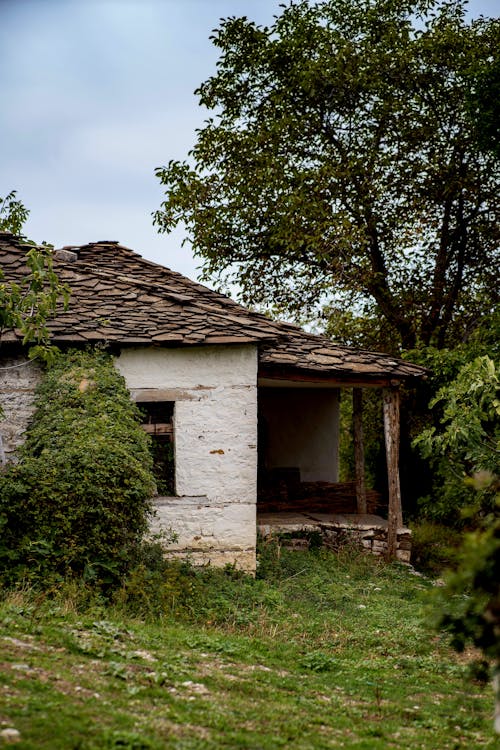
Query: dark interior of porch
(298, 455)
(299, 492)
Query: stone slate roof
(317, 354)
(120, 298)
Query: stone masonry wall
(18, 380)
(214, 389)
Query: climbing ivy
(78, 501)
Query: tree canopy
(341, 163)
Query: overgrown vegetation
(469, 605)
(434, 547)
(321, 650)
(78, 501)
(468, 443)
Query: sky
(97, 93)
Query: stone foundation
(207, 532)
(367, 531)
(244, 560)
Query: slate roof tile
(119, 297)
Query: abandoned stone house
(245, 408)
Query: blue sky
(95, 94)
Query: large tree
(341, 164)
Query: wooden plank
(391, 432)
(162, 394)
(318, 376)
(359, 449)
(158, 429)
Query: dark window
(159, 424)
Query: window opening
(158, 422)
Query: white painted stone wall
(215, 437)
(18, 380)
(301, 426)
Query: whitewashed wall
(215, 428)
(18, 380)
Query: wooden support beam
(359, 449)
(391, 432)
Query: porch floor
(369, 530)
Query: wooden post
(359, 449)
(391, 432)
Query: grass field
(321, 651)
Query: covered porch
(299, 492)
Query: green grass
(322, 651)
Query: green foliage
(484, 104)
(470, 417)
(28, 306)
(367, 329)
(469, 605)
(340, 163)
(434, 547)
(317, 661)
(430, 487)
(155, 586)
(13, 214)
(77, 503)
(468, 441)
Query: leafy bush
(155, 586)
(434, 547)
(468, 607)
(470, 601)
(78, 501)
(467, 442)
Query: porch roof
(120, 298)
(307, 357)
